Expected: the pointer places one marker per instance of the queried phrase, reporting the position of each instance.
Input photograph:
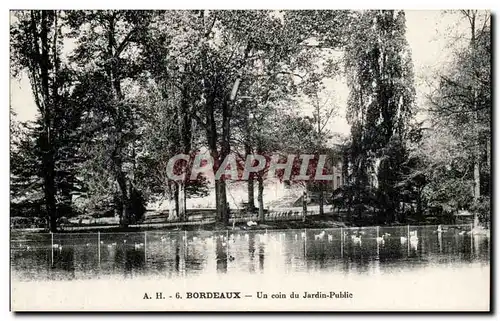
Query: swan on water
(251, 223)
(319, 236)
(413, 239)
(414, 242)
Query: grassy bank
(315, 221)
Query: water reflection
(261, 257)
(221, 253)
(174, 254)
(251, 253)
(134, 261)
(64, 261)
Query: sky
(428, 34)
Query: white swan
(319, 236)
(356, 239)
(414, 242)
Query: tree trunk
(182, 201)
(49, 192)
(250, 184)
(47, 141)
(172, 202)
(487, 151)
(124, 216)
(220, 185)
(349, 210)
(419, 208)
(116, 95)
(403, 213)
(122, 185)
(176, 199)
(212, 138)
(304, 206)
(251, 194)
(477, 158)
(321, 201)
(260, 197)
(318, 117)
(477, 177)
(184, 129)
(221, 202)
(248, 151)
(172, 211)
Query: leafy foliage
(138, 87)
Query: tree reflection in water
(184, 254)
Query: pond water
(164, 254)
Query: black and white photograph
(250, 160)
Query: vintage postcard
(250, 160)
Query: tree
(169, 58)
(226, 47)
(324, 109)
(380, 104)
(460, 113)
(105, 53)
(35, 48)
